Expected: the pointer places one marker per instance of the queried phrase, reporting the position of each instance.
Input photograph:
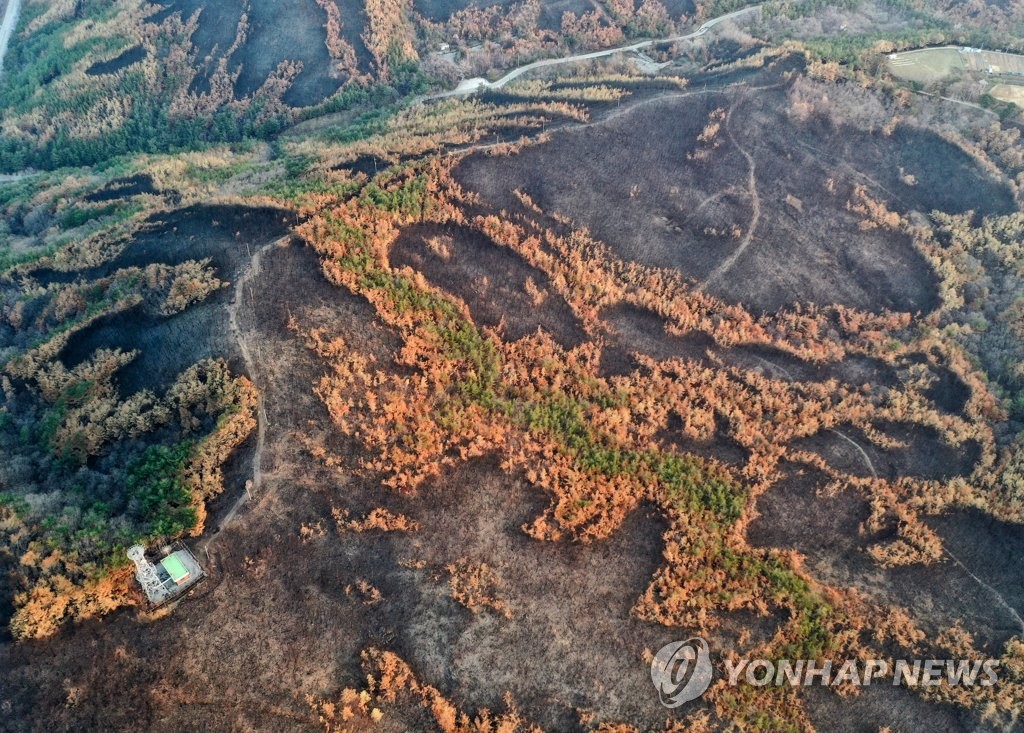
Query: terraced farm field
(928, 65)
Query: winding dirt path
(995, 594)
(992, 591)
(755, 203)
(246, 347)
(961, 102)
(1000, 600)
(860, 449)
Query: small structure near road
(469, 86)
(172, 576)
(646, 64)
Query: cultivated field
(1012, 93)
(927, 64)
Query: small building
(176, 572)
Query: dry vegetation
(590, 443)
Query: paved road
(472, 86)
(7, 28)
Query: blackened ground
(281, 618)
(133, 55)
(278, 32)
(825, 530)
(261, 632)
(640, 331)
(169, 345)
(353, 25)
(124, 187)
(226, 234)
(492, 280)
(636, 178)
(922, 453)
(571, 643)
(292, 31)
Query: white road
(6, 31)
(7, 28)
(477, 84)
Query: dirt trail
(755, 204)
(995, 594)
(992, 591)
(962, 102)
(246, 349)
(860, 449)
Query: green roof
(175, 568)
